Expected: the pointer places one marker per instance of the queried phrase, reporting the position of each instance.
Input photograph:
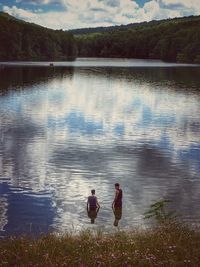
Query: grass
(164, 245)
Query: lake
(67, 129)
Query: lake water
(67, 129)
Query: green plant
(159, 212)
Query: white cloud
(153, 10)
(186, 3)
(192, 5)
(93, 13)
(20, 13)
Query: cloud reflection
(88, 130)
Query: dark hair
(116, 184)
(93, 191)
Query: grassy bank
(166, 245)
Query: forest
(20, 40)
(173, 40)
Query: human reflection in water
(118, 215)
(92, 206)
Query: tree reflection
(15, 78)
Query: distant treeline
(176, 40)
(89, 30)
(26, 41)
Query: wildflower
(186, 261)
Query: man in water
(117, 204)
(92, 206)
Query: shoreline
(171, 244)
(101, 62)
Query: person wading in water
(92, 206)
(117, 204)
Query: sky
(72, 14)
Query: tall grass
(164, 245)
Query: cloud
(93, 13)
(153, 10)
(98, 9)
(20, 13)
(39, 2)
(186, 5)
(111, 3)
(78, 13)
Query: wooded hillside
(176, 40)
(20, 40)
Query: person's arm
(98, 206)
(88, 204)
(97, 210)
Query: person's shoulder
(92, 197)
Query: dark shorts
(92, 214)
(92, 208)
(118, 205)
(118, 213)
